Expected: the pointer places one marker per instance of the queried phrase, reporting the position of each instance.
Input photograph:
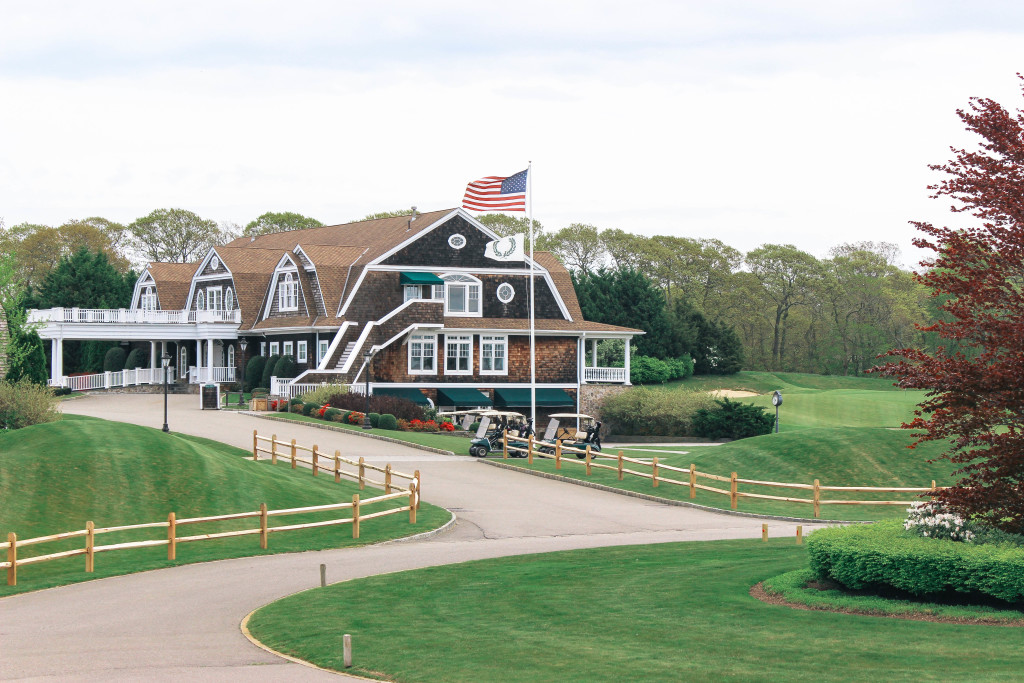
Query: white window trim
(431, 338)
(325, 346)
(287, 348)
(274, 348)
(231, 355)
(411, 293)
(229, 300)
(288, 292)
(263, 349)
(219, 290)
(301, 352)
(148, 298)
(491, 339)
(454, 340)
(470, 283)
(437, 292)
(200, 300)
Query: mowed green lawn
(767, 382)
(54, 477)
(844, 456)
(667, 612)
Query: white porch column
(152, 355)
(163, 352)
(209, 357)
(56, 361)
(627, 362)
(593, 353)
(199, 361)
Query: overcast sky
(810, 123)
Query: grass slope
(54, 477)
(767, 382)
(662, 612)
(844, 456)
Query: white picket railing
(133, 315)
(112, 380)
(214, 374)
(605, 375)
(285, 389)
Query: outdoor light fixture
(367, 357)
(242, 343)
(166, 361)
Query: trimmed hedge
(254, 372)
(732, 420)
(374, 419)
(331, 413)
(310, 408)
(137, 358)
(387, 421)
(114, 360)
(268, 370)
(884, 555)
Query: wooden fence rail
(172, 539)
(658, 470)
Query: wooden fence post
(419, 488)
(316, 461)
(412, 503)
(90, 544)
(764, 532)
(655, 476)
(12, 558)
(387, 478)
(254, 456)
(620, 465)
(732, 491)
(337, 467)
(263, 526)
(172, 536)
(273, 449)
(817, 499)
(293, 454)
(504, 443)
(362, 473)
(558, 454)
(529, 450)
(588, 459)
(799, 535)
(355, 515)
(693, 480)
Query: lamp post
(367, 357)
(165, 360)
(242, 343)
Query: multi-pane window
(287, 350)
(324, 345)
(231, 356)
(200, 301)
(214, 302)
(422, 352)
(493, 355)
(458, 354)
(301, 355)
(274, 348)
(148, 299)
(288, 293)
(263, 348)
(229, 300)
(462, 295)
(437, 292)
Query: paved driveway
(183, 623)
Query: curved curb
(244, 626)
(667, 501)
(332, 428)
(426, 534)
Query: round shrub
(387, 421)
(885, 555)
(732, 420)
(653, 412)
(254, 372)
(285, 367)
(342, 415)
(473, 427)
(296, 401)
(309, 408)
(114, 360)
(679, 368)
(331, 413)
(268, 370)
(374, 419)
(136, 359)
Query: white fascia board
(334, 342)
(312, 267)
(394, 250)
(352, 294)
(196, 277)
(137, 290)
(136, 332)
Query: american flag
(496, 193)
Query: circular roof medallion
(506, 292)
(456, 241)
(214, 263)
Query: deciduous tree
(174, 235)
(975, 403)
(280, 222)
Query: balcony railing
(132, 316)
(207, 375)
(112, 380)
(612, 375)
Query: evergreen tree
(628, 298)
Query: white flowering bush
(932, 521)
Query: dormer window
(147, 301)
(214, 302)
(462, 295)
(288, 293)
(200, 301)
(229, 300)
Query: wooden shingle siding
(318, 299)
(379, 294)
(202, 285)
(433, 250)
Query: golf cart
(589, 432)
(493, 424)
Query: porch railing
(284, 388)
(617, 375)
(132, 316)
(214, 374)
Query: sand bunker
(731, 393)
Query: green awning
(420, 279)
(546, 397)
(414, 395)
(459, 396)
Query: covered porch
(604, 359)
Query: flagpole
(533, 357)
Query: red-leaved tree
(975, 402)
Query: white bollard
(348, 651)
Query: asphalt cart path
(182, 623)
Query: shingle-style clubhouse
(439, 322)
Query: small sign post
(209, 397)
